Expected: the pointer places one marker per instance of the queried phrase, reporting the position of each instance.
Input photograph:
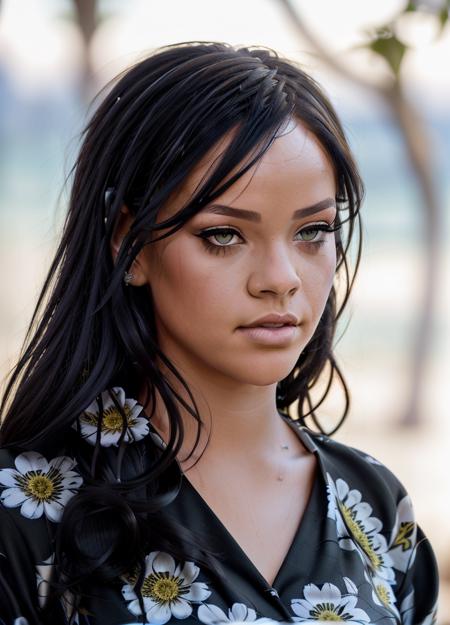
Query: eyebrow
(241, 213)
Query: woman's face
(266, 258)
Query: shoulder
(360, 486)
(359, 469)
(369, 502)
(373, 514)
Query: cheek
(317, 279)
(319, 270)
(188, 290)
(330, 265)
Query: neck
(241, 422)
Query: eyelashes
(224, 248)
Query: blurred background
(385, 66)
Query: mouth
(270, 334)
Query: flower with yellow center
(122, 418)
(383, 595)
(326, 612)
(357, 529)
(163, 588)
(39, 486)
(328, 604)
(168, 590)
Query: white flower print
(158, 440)
(238, 613)
(39, 486)
(407, 610)
(168, 589)
(328, 604)
(112, 423)
(382, 594)
(357, 529)
(44, 574)
(371, 460)
(404, 536)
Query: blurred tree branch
(86, 18)
(385, 43)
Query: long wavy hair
(89, 332)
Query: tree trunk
(415, 138)
(86, 16)
(419, 153)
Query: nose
(276, 271)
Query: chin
(264, 373)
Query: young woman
(152, 468)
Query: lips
(273, 320)
(280, 336)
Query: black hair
(90, 332)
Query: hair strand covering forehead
(89, 332)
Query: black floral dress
(358, 555)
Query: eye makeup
(217, 248)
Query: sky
(40, 44)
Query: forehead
(295, 161)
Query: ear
(121, 228)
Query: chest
(262, 514)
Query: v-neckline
(318, 479)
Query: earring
(127, 278)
